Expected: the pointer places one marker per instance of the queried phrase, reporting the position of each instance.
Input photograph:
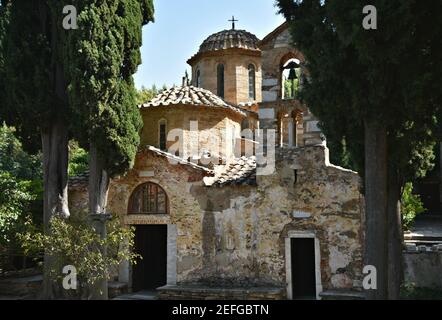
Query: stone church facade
(220, 222)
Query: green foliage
(28, 101)
(144, 94)
(14, 159)
(21, 186)
(14, 200)
(411, 206)
(78, 159)
(288, 85)
(101, 58)
(39, 60)
(74, 242)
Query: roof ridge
(190, 95)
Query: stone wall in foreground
(423, 266)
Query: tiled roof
(177, 159)
(227, 39)
(241, 171)
(189, 95)
(79, 182)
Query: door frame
(288, 260)
(126, 273)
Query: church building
(232, 194)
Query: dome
(190, 96)
(227, 39)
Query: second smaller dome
(227, 39)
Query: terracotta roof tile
(227, 39)
(241, 171)
(189, 95)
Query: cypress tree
(102, 55)
(34, 98)
(57, 82)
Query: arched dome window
(148, 198)
(252, 82)
(220, 80)
(198, 79)
(162, 134)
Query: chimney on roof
(186, 81)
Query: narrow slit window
(252, 82)
(198, 79)
(162, 135)
(220, 80)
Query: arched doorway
(150, 240)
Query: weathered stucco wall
(244, 228)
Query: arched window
(148, 198)
(220, 80)
(198, 79)
(291, 74)
(162, 134)
(252, 82)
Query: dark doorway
(430, 196)
(150, 272)
(303, 268)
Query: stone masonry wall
(275, 53)
(211, 121)
(235, 236)
(184, 210)
(236, 81)
(244, 228)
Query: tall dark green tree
(102, 56)
(377, 91)
(34, 98)
(80, 79)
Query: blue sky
(182, 25)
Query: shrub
(75, 242)
(78, 159)
(411, 206)
(14, 199)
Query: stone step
(116, 289)
(197, 292)
(342, 295)
(144, 295)
(21, 286)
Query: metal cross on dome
(233, 22)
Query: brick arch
(139, 204)
(292, 54)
